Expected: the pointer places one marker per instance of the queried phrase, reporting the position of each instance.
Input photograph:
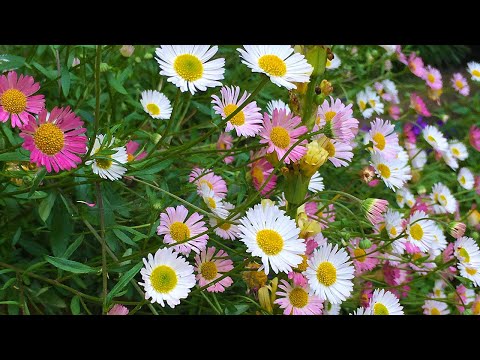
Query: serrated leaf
(69, 265)
(123, 281)
(75, 305)
(65, 80)
(46, 205)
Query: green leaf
(51, 74)
(130, 230)
(36, 195)
(46, 206)
(9, 303)
(10, 62)
(124, 237)
(71, 249)
(14, 156)
(123, 281)
(65, 81)
(16, 237)
(38, 179)
(75, 305)
(114, 83)
(69, 265)
(239, 309)
(7, 284)
(153, 169)
(61, 228)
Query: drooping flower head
(296, 300)
(132, 147)
(210, 266)
(260, 171)
(156, 104)
(373, 209)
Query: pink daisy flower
(394, 111)
(433, 78)
(296, 300)
(210, 267)
(373, 209)
(395, 276)
(248, 121)
(206, 176)
(17, 101)
(361, 260)
(339, 154)
(55, 141)
(298, 278)
(281, 132)
(384, 138)
(474, 137)
(463, 297)
(176, 229)
(260, 171)
(227, 230)
(366, 294)
(415, 64)
(132, 147)
(337, 120)
(460, 84)
(225, 142)
(118, 309)
(417, 104)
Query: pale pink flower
(132, 147)
(415, 64)
(361, 260)
(339, 154)
(384, 138)
(417, 104)
(373, 209)
(118, 309)
(225, 142)
(296, 300)
(260, 171)
(433, 78)
(210, 266)
(201, 176)
(474, 137)
(337, 121)
(460, 84)
(394, 111)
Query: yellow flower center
(225, 226)
(211, 203)
(435, 311)
(270, 241)
(130, 157)
(280, 137)
(476, 308)
(303, 265)
(179, 231)
(455, 151)
(188, 66)
(464, 254)
(328, 64)
(476, 73)
(417, 256)
(416, 232)
(153, 109)
(163, 279)
(431, 139)
(326, 273)
(104, 163)
(298, 297)
(237, 120)
(362, 105)
(372, 102)
(379, 141)
(360, 254)
(257, 174)
(463, 180)
(399, 198)
(49, 139)
(384, 170)
(208, 270)
(380, 309)
(459, 84)
(471, 271)
(393, 231)
(272, 65)
(13, 101)
(431, 78)
(330, 149)
(203, 181)
(442, 200)
(329, 115)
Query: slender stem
(104, 245)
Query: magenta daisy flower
(17, 100)
(210, 267)
(361, 260)
(132, 147)
(460, 84)
(206, 176)
(417, 104)
(337, 120)
(433, 78)
(415, 64)
(340, 154)
(178, 230)
(394, 111)
(296, 300)
(260, 171)
(55, 140)
(281, 132)
(384, 138)
(248, 121)
(225, 142)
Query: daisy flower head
(466, 250)
(227, 230)
(474, 70)
(470, 271)
(297, 300)
(17, 101)
(465, 178)
(210, 266)
(225, 142)
(337, 120)
(433, 307)
(330, 273)
(474, 137)
(435, 138)
(109, 166)
(118, 309)
(373, 209)
(54, 141)
(132, 147)
(281, 132)
(279, 62)
(331, 309)
(463, 296)
(277, 104)
(339, 153)
(334, 63)
(247, 122)
(270, 234)
(176, 228)
(189, 67)
(420, 232)
(417, 104)
(442, 199)
(261, 171)
(213, 201)
(439, 242)
(394, 111)
(384, 138)
(418, 158)
(387, 90)
(361, 260)
(416, 66)
(404, 196)
(374, 100)
(449, 159)
(156, 104)
(458, 150)
(385, 303)
(393, 172)
(167, 277)
(433, 78)
(460, 84)
(316, 183)
(362, 102)
(361, 311)
(201, 176)
(390, 49)
(439, 289)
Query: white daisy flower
(435, 138)
(442, 199)
(227, 230)
(474, 70)
(391, 90)
(167, 277)
(394, 173)
(384, 138)
(281, 200)
(330, 309)
(432, 307)
(393, 226)
(156, 104)
(189, 66)
(269, 233)
(384, 303)
(458, 150)
(279, 62)
(390, 49)
(361, 311)
(466, 179)
(213, 202)
(449, 159)
(404, 196)
(466, 250)
(418, 158)
(438, 289)
(470, 271)
(105, 168)
(362, 102)
(277, 104)
(329, 273)
(374, 100)
(333, 64)
(439, 242)
(420, 233)
(316, 183)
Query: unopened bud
(148, 56)
(313, 159)
(421, 190)
(138, 60)
(468, 312)
(326, 87)
(75, 62)
(104, 67)
(127, 50)
(365, 244)
(457, 229)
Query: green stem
(104, 245)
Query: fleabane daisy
(460, 84)
(363, 260)
(216, 183)
(227, 230)
(334, 63)
(435, 138)
(442, 199)
(189, 67)
(316, 183)
(362, 102)
(330, 273)
(279, 62)
(277, 104)
(470, 271)
(296, 300)
(269, 233)
(404, 196)
(417, 157)
(167, 277)
(339, 153)
(458, 150)
(361, 311)
(261, 171)
(331, 309)
(384, 138)
(281, 132)
(433, 307)
(394, 227)
(465, 178)
(433, 78)
(466, 250)
(55, 140)
(213, 201)
(474, 70)
(374, 100)
(337, 121)
(393, 172)
(420, 232)
(210, 266)
(156, 104)
(247, 122)
(17, 101)
(176, 228)
(384, 303)
(109, 166)
(439, 242)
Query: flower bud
(104, 67)
(457, 229)
(313, 159)
(127, 50)
(326, 87)
(365, 244)
(148, 56)
(421, 190)
(373, 209)
(75, 62)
